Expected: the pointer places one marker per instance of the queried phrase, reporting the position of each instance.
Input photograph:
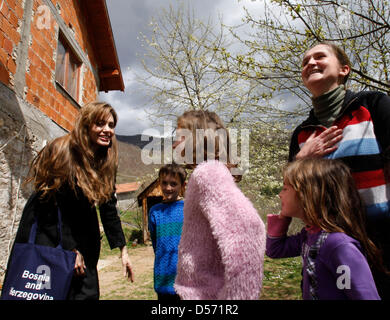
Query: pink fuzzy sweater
(221, 252)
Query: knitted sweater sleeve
(237, 228)
(278, 245)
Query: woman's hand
(323, 144)
(126, 264)
(79, 265)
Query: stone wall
(24, 130)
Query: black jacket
(80, 230)
(80, 226)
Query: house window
(67, 68)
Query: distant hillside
(131, 168)
(135, 140)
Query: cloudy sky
(131, 17)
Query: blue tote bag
(37, 272)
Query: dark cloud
(128, 19)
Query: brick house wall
(34, 106)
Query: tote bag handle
(33, 232)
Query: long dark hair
(72, 159)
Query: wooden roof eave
(145, 189)
(103, 43)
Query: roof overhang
(103, 43)
(127, 187)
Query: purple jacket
(342, 270)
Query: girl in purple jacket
(336, 251)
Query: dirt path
(113, 286)
(281, 277)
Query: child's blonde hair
(213, 132)
(331, 201)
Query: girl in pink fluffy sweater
(221, 251)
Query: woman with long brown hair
(76, 174)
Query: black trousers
(85, 287)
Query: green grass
(121, 289)
(130, 231)
(133, 217)
(281, 281)
(282, 278)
